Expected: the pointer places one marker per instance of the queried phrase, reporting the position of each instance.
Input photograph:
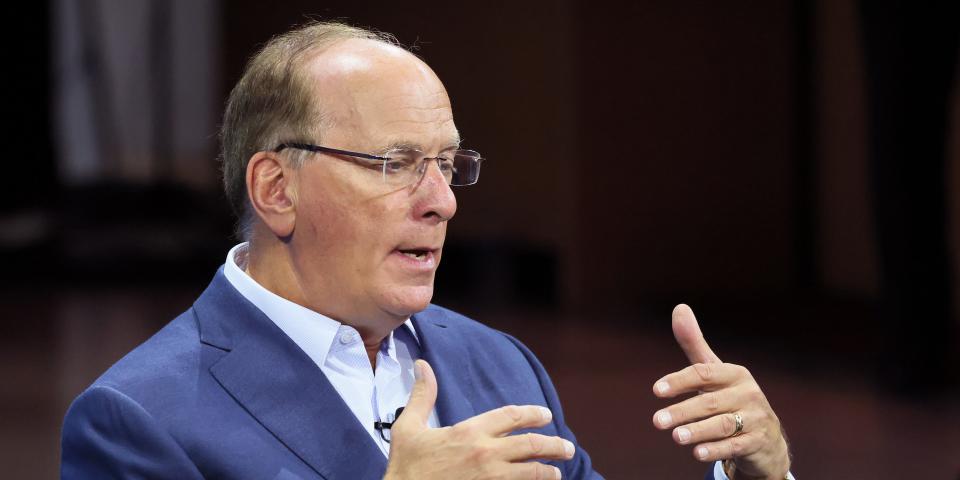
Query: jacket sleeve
(579, 467)
(108, 435)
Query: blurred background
(789, 168)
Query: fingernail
(568, 448)
(556, 473)
(662, 387)
(683, 435)
(702, 453)
(417, 370)
(664, 418)
(546, 414)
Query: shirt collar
(313, 332)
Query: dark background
(788, 168)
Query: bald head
(371, 91)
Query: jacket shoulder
(487, 352)
(164, 359)
(459, 322)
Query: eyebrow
(409, 146)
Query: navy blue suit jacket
(222, 392)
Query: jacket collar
(278, 384)
(282, 388)
(442, 350)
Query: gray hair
(272, 103)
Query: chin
(405, 301)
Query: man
(339, 150)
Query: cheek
(380, 221)
(325, 227)
(322, 221)
(324, 203)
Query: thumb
(688, 335)
(423, 396)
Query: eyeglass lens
(461, 168)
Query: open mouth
(416, 254)
(418, 257)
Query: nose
(435, 201)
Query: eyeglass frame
(368, 156)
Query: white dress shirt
(339, 352)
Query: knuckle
(755, 395)
(737, 446)
(678, 414)
(704, 370)
(727, 425)
(462, 430)
(513, 413)
(711, 401)
(535, 442)
(481, 455)
(560, 447)
(764, 416)
(540, 471)
(533, 471)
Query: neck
(268, 262)
(372, 351)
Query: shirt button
(346, 338)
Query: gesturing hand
(727, 396)
(476, 448)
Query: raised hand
(729, 417)
(477, 448)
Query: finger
(699, 407)
(422, 397)
(717, 427)
(533, 446)
(688, 335)
(732, 447)
(700, 377)
(503, 420)
(532, 471)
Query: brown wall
(846, 238)
(687, 149)
(652, 147)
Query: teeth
(416, 255)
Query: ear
(272, 192)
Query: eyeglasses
(405, 167)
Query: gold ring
(739, 428)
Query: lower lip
(425, 263)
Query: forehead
(373, 94)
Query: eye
(397, 165)
(446, 164)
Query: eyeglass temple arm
(335, 151)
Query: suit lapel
(440, 348)
(283, 389)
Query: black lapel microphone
(381, 426)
